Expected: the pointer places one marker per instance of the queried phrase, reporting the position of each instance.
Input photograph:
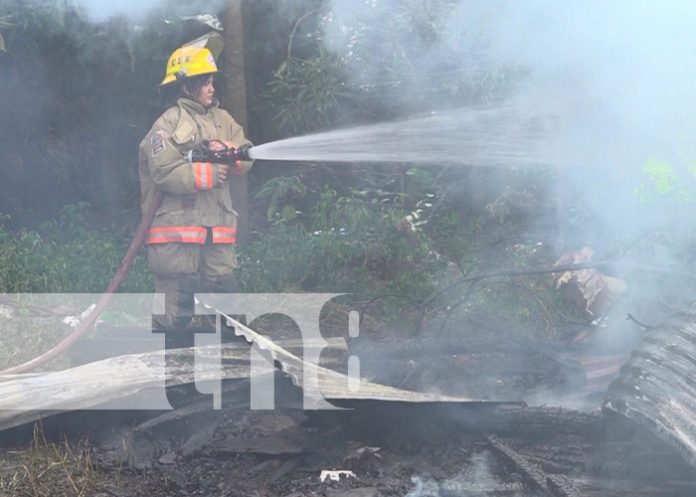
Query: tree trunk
(235, 78)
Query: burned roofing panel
(657, 386)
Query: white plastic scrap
(74, 321)
(5, 312)
(335, 475)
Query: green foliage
(307, 94)
(281, 193)
(404, 232)
(343, 244)
(663, 183)
(67, 255)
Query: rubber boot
(223, 284)
(179, 309)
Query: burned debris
(393, 442)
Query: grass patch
(47, 469)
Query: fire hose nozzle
(244, 152)
(226, 155)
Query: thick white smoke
(625, 72)
(621, 76)
(102, 10)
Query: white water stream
(508, 134)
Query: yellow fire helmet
(187, 62)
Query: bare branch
(647, 327)
(294, 30)
(512, 273)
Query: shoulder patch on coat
(157, 142)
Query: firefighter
(191, 240)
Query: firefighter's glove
(215, 145)
(223, 171)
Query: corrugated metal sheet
(323, 383)
(657, 386)
(25, 398)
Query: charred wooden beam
(561, 486)
(555, 485)
(532, 473)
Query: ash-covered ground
(390, 449)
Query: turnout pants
(182, 269)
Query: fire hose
(222, 155)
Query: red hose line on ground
(84, 326)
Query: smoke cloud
(620, 76)
(619, 80)
(624, 72)
(100, 10)
(477, 479)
